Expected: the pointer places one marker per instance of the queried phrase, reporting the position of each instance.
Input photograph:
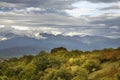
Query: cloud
(115, 27)
(31, 25)
(2, 26)
(108, 22)
(3, 38)
(115, 7)
(20, 28)
(57, 4)
(77, 12)
(102, 1)
(32, 17)
(81, 33)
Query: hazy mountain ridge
(25, 45)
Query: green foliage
(27, 58)
(3, 78)
(13, 71)
(80, 73)
(41, 62)
(91, 65)
(61, 64)
(1, 73)
(58, 49)
(118, 76)
(60, 74)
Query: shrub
(61, 74)
(3, 78)
(79, 73)
(41, 62)
(91, 65)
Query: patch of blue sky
(93, 8)
(89, 5)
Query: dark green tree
(58, 49)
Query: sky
(60, 17)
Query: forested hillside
(61, 64)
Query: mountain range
(17, 45)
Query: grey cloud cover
(59, 4)
(115, 7)
(58, 24)
(50, 16)
(103, 1)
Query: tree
(58, 49)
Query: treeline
(61, 64)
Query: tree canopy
(74, 65)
